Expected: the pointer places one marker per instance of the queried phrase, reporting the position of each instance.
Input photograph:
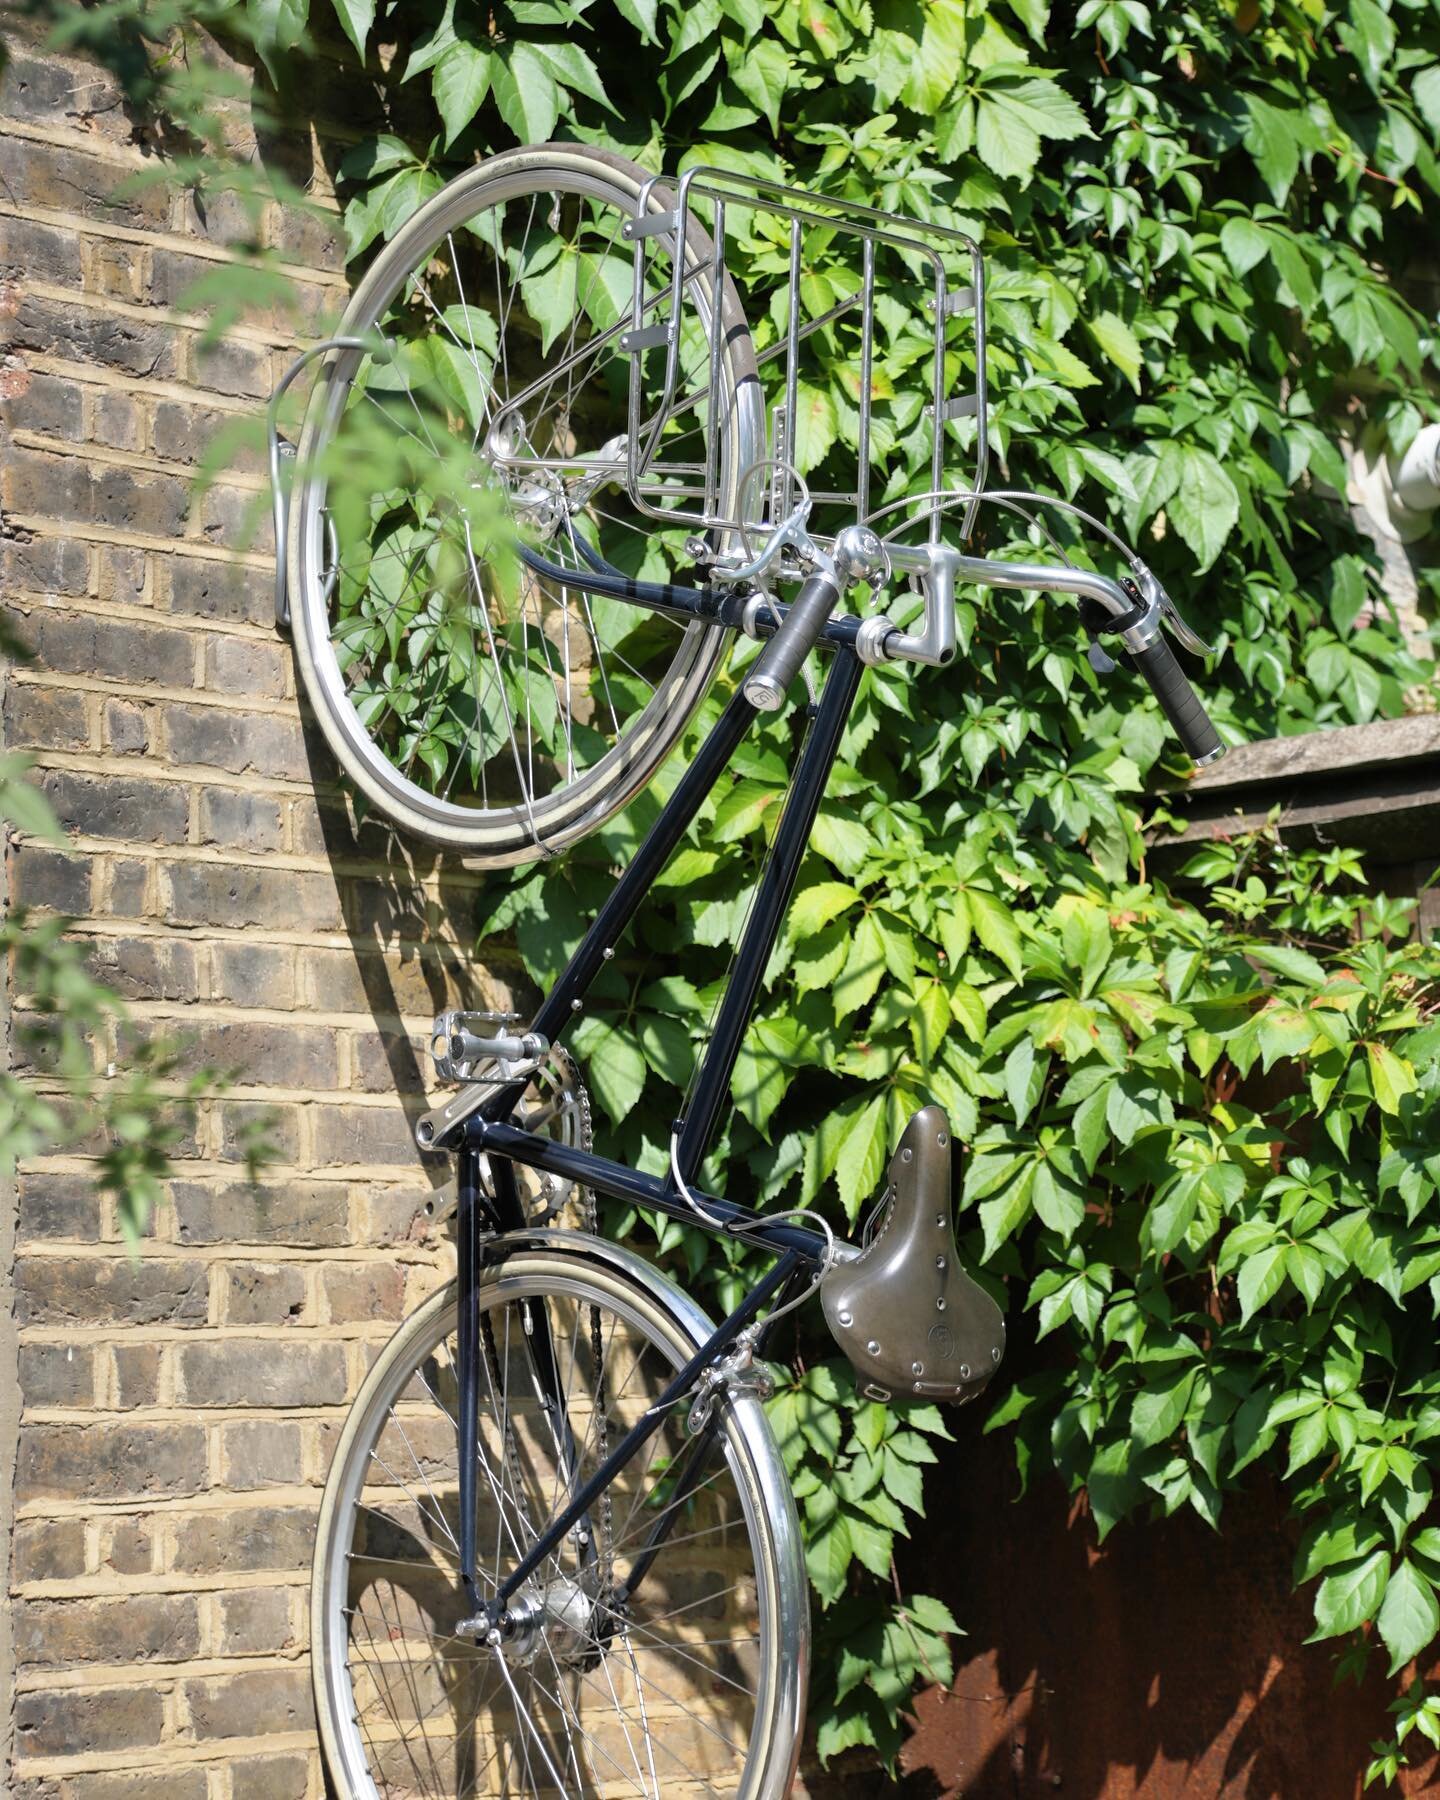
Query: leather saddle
(909, 1318)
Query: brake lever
(790, 534)
(1155, 595)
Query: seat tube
(767, 912)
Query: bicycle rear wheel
(476, 702)
(694, 1686)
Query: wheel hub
(559, 1619)
(540, 503)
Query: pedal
(908, 1317)
(461, 1041)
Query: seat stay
(489, 1614)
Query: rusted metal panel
(1169, 1662)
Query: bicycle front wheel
(475, 701)
(691, 1684)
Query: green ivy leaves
(1014, 110)
(857, 1471)
(1184, 276)
(357, 17)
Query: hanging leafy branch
(84, 1078)
(68, 1087)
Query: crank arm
(432, 1128)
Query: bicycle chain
(590, 1208)
(570, 1081)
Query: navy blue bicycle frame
(490, 1134)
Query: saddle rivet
(939, 1262)
(873, 1348)
(575, 1006)
(844, 1318)
(917, 1368)
(907, 1155)
(940, 1304)
(964, 1371)
(940, 1220)
(942, 1140)
(918, 1387)
(607, 953)
(995, 1353)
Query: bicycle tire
(518, 831)
(562, 1268)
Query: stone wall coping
(1384, 742)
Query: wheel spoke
(509, 710)
(576, 1698)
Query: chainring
(556, 1103)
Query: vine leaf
(1390, 1077)
(1273, 139)
(828, 1557)
(573, 68)
(460, 84)
(1426, 90)
(996, 928)
(1350, 1596)
(1034, 15)
(1157, 1411)
(614, 1066)
(1205, 506)
(641, 14)
(815, 426)
(356, 18)
(861, 1161)
(1013, 115)
(526, 94)
(1260, 1280)
(761, 71)
(1409, 1617)
(1117, 341)
(1244, 244)
(277, 27)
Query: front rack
(883, 311)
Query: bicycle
(557, 1549)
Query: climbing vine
(1199, 222)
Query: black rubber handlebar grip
(779, 662)
(1181, 704)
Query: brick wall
(178, 1410)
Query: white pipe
(1415, 479)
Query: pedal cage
(908, 1317)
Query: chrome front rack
(857, 289)
(858, 294)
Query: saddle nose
(905, 1313)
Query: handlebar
(1179, 701)
(779, 662)
(1133, 610)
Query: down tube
(772, 897)
(564, 1001)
